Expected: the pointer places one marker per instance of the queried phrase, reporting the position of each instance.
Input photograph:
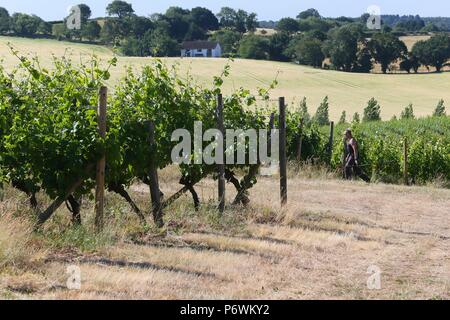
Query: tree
(44, 27)
(251, 22)
(161, 44)
(372, 112)
(308, 13)
(227, 17)
(410, 63)
(313, 23)
(204, 18)
(433, 52)
(91, 30)
(363, 19)
(278, 43)
(304, 114)
(343, 46)
(356, 118)
(85, 12)
(240, 20)
(134, 47)
(112, 31)
(288, 25)
(386, 49)
(25, 25)
(119, 8)
(412, 24)
(228, 39)
(322, 117)
(408, 113)
(5, 21)
(195, 33)
(309, 52)
(343, 118)
(440, 109)
(430, 27)
(254, 47)
(179, 21)
(138, 26)
(363, 61)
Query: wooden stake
(300, 142)
(405, 162)
(283, 154)
(221, 167)
(330, 150)
(101, 164)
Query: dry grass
(17, 246)
(346, 91)
(319, 247)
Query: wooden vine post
(155, 191)
(405, 161)
(101, 164)
(300, 141)
(221, 166)
(330, 146)
(283, 152)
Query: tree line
(342, 43)
(372, 112)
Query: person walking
(352, 159)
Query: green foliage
(440, 109)
(278, 43)
(344, 46)
(254, 47)
(288, 25)
(322, 117)
(356, 118)
(49, 141)
(410, 63)
(162, 45)
(373, 111)
(204, 18)
(381, 148)
(303, 110)
(343, 118)
(308, 51)
(413, 24)
(433, 52)
(237, 20)
(5, 21)
(228, 39)
(308, 14)
(408, 113)
(91, 30)
(119, 8)
(28, 25)
(430, 27)
(386, 48)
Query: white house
(201, 49)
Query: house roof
(191, 45)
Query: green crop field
(346, 91)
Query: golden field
(346, 91)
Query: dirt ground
(330, 241)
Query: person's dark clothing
(351, 167)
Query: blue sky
(266, 10)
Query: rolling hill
(346, 91)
